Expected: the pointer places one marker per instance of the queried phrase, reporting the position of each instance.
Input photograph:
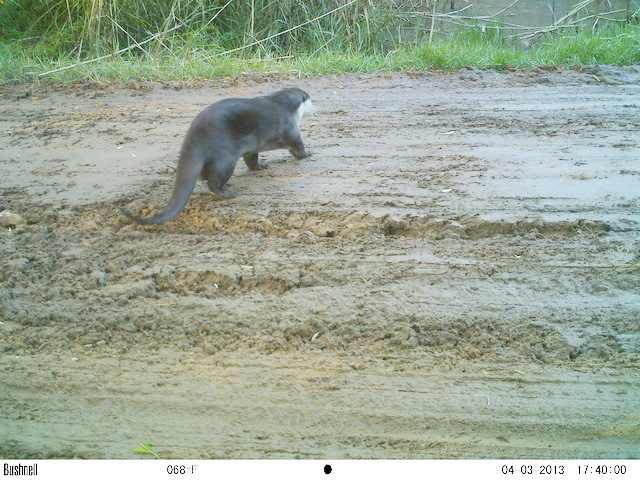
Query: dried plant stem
(433, 22)
(131, 47)
(287, 30)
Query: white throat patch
(304, 107)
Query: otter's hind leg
(251, 159)
(218, 174)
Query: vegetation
(179, 40)
(147, 448)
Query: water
(541, 13)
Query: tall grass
(96, 27)
(177, 40)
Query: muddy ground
(454, 273)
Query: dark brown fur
(230, 129)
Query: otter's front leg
(296, 148)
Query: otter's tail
(185, 183)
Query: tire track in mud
(336, 279)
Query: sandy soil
(454, 273)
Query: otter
(230, 129)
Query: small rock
(128, 290)
(309, 237)
(10, 220)
(23, 94)
(90, 225)
(18, 263)
(98, 278)
(129, 328)
(393, 225)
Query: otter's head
(296, 100)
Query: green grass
(361, 38)
(612, 46)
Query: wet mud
(453, 273)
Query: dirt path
(454, 273)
